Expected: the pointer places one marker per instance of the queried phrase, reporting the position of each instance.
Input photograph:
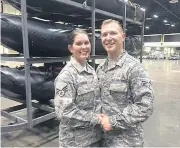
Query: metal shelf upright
(142, 36)
(30, 122)
(27, 67)
(93, 7)
(124, 24)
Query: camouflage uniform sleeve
(142, 95)
(65, 108)
(98, 101)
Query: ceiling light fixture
(173, 1)
(147, 27)
(172, 25)
(155, 16)
(148, 18)
(165, 21)
(143, 9)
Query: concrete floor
(161, 130)
(163, 127)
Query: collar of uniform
(79, 67)
(121, 59)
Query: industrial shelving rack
(29, 123)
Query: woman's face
(80, 48)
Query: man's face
(112, 38)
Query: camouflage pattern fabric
(77, 103)
(127, 98)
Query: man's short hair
(108, 21)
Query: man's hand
(104, 121)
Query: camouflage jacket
(127, 98)
(77, 103)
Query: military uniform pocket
(119, 93)
(85, 90)
(118, 87)
(85, 96)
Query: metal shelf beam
(12, 117)
(17, 59)
(98, 11)
(14, 127)
(47, 59)
(44, 118)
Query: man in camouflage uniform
(126, 91)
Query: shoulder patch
(61, 92)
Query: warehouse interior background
(161, 58)
(162, 29)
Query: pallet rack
(29, 123)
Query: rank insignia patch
(61, 92)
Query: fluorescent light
(173, 1)
(172, 25)
(155, 16)
(148, 18)
(165, 21)
(167, 24)
(147, 27)
(143, 9)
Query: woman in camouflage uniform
(77, 100)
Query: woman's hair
(73, 34)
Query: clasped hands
(104, 121)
